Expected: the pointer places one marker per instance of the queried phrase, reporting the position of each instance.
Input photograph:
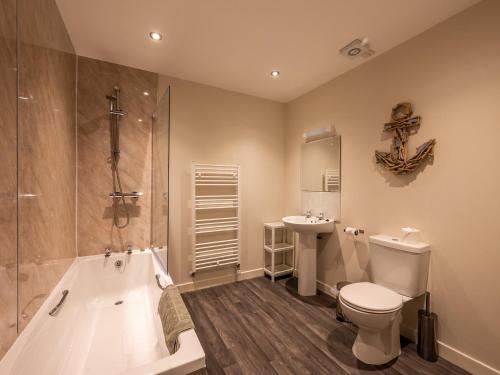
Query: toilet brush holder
(427, 333)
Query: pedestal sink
(308, 229)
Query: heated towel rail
(216, 208)
(332, 180)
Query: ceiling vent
(357, 48)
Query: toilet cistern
(308, 228)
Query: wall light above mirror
(320, 165)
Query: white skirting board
(207, 283)
(327, 289)
(449, 353)
(465, 361)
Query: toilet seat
(371, 298)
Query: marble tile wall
(96, 79)
(47, 152)
(38, 143)
(159, 182)
(8, 175)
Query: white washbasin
(303, 224)
(308, 229)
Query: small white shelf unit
(279, 249)
(216, 215)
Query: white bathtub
(92, 334)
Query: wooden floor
(257, 327)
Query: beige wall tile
(8, 175)
(96, 79)
(159, 170)
(47, 151)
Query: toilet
(399, 271)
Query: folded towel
(160, 280)
(174, 317)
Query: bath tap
(308, 214)
(129, 249)
(107, 252)
(321, 216)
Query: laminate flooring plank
(259, 327)
(296, 326)
(233, 332)
(218, 356)
(305, 322)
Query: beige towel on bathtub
(174, 317)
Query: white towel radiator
(216, 215)
(332, 180)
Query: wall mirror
(320, 165)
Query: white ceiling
(234, 44)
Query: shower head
(114, 103)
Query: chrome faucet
(321, 216)
(308, 214)
(107, 252)
(129, 249)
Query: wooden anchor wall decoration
(404, 125)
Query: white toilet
(399, 272)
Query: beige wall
(451, 74)
(210, 125)
(96, 231)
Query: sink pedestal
(307, 264)
(308, 228)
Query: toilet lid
(371, 297)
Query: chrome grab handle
(157, 277)
(55, 310)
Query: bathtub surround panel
(96, 79)
(8, 175)
(451, 74)
(46, 152)
(210, 125)
(159, 170)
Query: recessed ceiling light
(275, 73)
(155, 35)
(146, 93)
(140, 119)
